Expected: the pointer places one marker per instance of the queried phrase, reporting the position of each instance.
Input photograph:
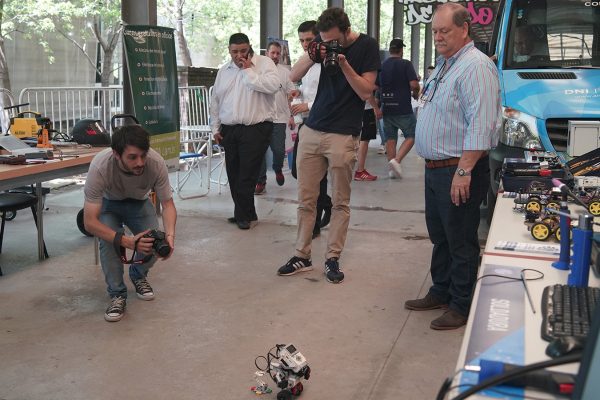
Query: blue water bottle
(582, 251)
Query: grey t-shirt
(106, 179)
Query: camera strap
(120, 250)
(314, 51)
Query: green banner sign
(152, 66)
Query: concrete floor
(219, 304)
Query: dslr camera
(332, 50)
(160, 244)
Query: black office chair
(12, 202)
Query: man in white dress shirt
(282, 117)
(242, 111)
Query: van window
(553, 34)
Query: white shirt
(282, 107)
(310, 84)
(244, 96)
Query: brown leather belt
(448, 162)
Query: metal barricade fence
(6, 100)
(193, 105)
(67, 105)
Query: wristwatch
(462, 172)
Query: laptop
(16, 146)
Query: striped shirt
(462, 108)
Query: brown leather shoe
(449, 320)
(426, 303)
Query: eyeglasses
(428, 91)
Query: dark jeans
(453, 232)
(278, 148)
(245, 147)
(324, 200)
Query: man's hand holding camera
(151, 241)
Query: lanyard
(120, 250)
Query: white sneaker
(381, 150)
(391, 174)
(395, 167)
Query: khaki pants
(318, 152)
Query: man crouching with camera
(330, 135)
(116, 195)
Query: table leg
(40, 219)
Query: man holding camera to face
(330, 135)
(116, 195)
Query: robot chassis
(287, 367)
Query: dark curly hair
(130, 135)
(331, 18)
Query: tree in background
(102, 20)
(175, 15)
(74, 20)
(209, 24)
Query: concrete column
(415, 41)
(270, 20)
(139, 12)
(373, 17)
(398, 20)
(428, 48)
(335, 3)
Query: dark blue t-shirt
(394, 86)
(337, 107)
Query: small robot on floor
(288, 368)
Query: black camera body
(332, 50)
(160, 244)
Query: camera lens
(163, 249)
(331, 63)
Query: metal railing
(6, 100)
(193, 105)
(67, 105)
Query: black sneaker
(332, 271)
(295, 265)
(143, 289)
(116, 309)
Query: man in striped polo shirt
(457, 124)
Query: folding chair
(195, 154)
(219, 153)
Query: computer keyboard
(568, 310)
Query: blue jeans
(453, 232)
(381, 131)
(278, 148)
(407, 123)
(138, 216)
